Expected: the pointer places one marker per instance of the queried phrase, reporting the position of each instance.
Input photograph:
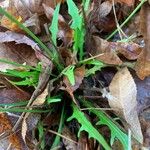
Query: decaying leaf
(124, 93)
(6, 126)
(143, 62)
(79, 75)
(21, 52)
(41, 98)
(128, 2)
(29, 123)
(110, 50)
(7, 97)
(105, 8)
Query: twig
(128, 18)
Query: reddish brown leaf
(20, 52)
(143, 62)
(5, 126)
(128, 2)
(79, 76)
(110, 50)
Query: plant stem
(128, 18)
(54, 58)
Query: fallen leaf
(29, 123)
(8, 96)
(143, 63)
(110, 50)
(105, 8)
(128, 2)
(21, 52)
(124, 94)
(6, 126)
(26, 12)
(41, 98)
(12, 95)
(79, 76)
(5, 22)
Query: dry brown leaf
(8, 96)
(110, 50)
(79, 76)
(128, 2)
(5, 22)
(25, 12)
(41, 98)
(29, 123)
(5, 126)
(143, 62)
(105, 8)
(124, 93)
(68, 57)
(24, 129)
(9, 36)
(21, 52)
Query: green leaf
(106, 120)
(54, 25)
(74, 13)
(86, 4)
(61, 124)
(41, 135)
(79, 41)
(87, 126)
(69, 72)
(17, 73)
(95, 62)
(92, 70)
(97, 67)
(53, 99)
(17, 104)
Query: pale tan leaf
(124, 93)
(41, 98)
(24, 129)
(105, 8)
(143, 63)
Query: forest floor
(74, 75)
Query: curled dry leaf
(143, 63)
(26, 12)
(21, 52)
(29, 123)
(79, 76)
(124, 93)
(41, 98)
(110, 50)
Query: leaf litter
(67, 64)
